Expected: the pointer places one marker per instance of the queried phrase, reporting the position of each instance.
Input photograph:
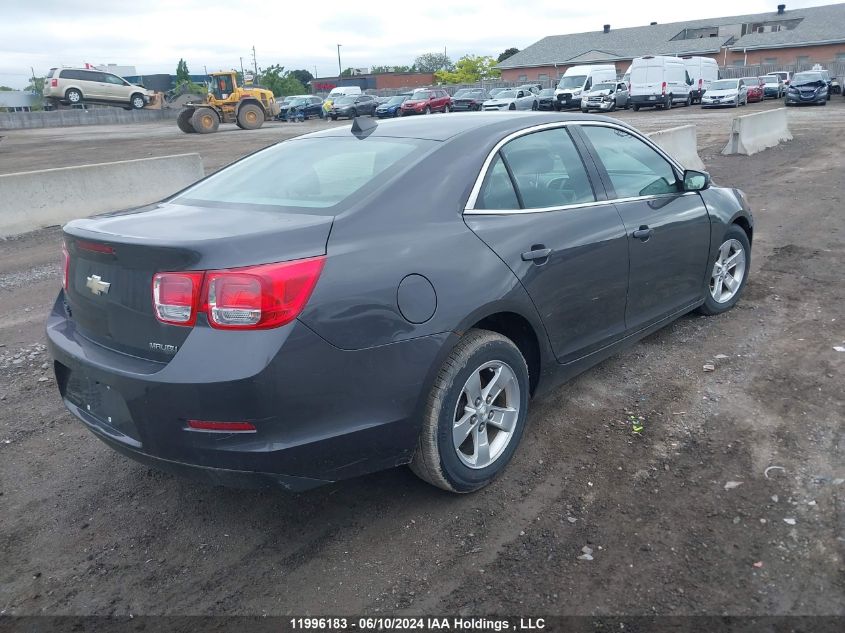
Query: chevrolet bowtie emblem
(96, 285)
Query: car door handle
(538, 254)
(643, 233)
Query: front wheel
(535, 106)
(729, 272)
(250, 116)
(475, 414)
(512, 106)
(137, 101)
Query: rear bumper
(647, 100)
(321, 413)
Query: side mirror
(696, 180)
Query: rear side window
(633, 167)
(311, 173)
(497, 192)
(548, 170)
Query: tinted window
(548, 170)
(497, 191)
(305, 173)
(114, 79)
(634, 168)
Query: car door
(544, 212)
(93, 84)
(116, 88)
(621, 95)
(668, 229)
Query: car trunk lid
(113, 260)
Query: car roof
(442, 128)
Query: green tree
(347, 73)
(280, 81)
(302, 76)
(432, 62)
(5, 89)
(469, 69)
(182, 73)
(508, 52)
(35, 86)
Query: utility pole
(254, 62)
(242, 68)
(339, 68)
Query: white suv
(77, 85)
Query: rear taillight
(176, 297)
(65, 267)
(700, 83)
(260, 297)
(257, 297)
(663, 89)
(54, 83)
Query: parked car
(344, 91)
(532, 88)
(392, 108)
(754, 87)
(494, 91)
(773, 87)
(426, 101)
(469, 99)
(513, 99)
(703, 71)
(659, 82)
(74, 86)
(808, 87)
(605, 96)
(303, 107)
(285, 104)
(578, 79)
(355, 338)
(546, 99)
(352, 106)
(726, 92)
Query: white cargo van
(578, 79)
(703, 71)
(659, 82)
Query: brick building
(380, 81)
(793, 39)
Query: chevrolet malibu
(383, 294)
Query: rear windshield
(305, 173)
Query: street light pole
(339, 68)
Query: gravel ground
(688, 516)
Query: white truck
(703, 71)
(659, 82)
(578, 79)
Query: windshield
(573, 81)
(461, 93)
(396, 100)
(807, 80)
(297, 102)
(345, 100)
(304, 173)
(724, 84)
(547, 92)
(770, 80)
(751, 81)
(471, 94)
(506, 94)
(604, 86)
(420, 95)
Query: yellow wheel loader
(227, 102)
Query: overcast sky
(153, 34)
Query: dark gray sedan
(391, 293)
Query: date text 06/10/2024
(418, 624)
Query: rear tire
(250, 116)
(667, 104)
(73, 96)
(492, 424)
(733, 241)
(427, 110)
(635, 108)
(205, 121)
(184, 121)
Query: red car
(426, 101)
(756, 88)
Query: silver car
(75, 86)
(606, 97)
(512, 99)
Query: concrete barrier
(681, 143)
(35, 199)
(753, 133)
(73, 117)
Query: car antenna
(362, 128)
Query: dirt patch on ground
(86, 531)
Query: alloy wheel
(486, 414)
(728, 271)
